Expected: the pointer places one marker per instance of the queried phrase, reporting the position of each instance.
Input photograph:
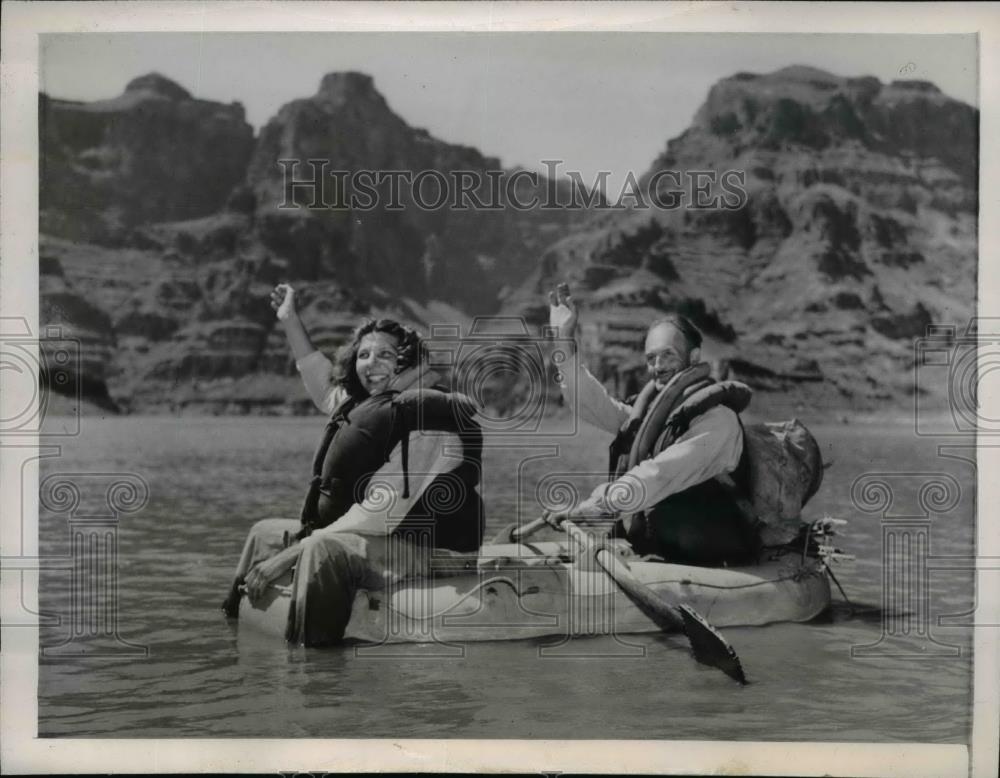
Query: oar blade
(709, 647)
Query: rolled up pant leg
(265, 539)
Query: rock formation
(152, 154)
(163, 230)
(858, 230)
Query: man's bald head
(687, 329)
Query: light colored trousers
(330, 569)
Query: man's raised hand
(563, 314)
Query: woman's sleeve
(430, 454)
(317, 375)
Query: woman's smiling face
(376, 361)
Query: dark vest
(677, 415)
(358, 440)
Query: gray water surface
(210, 479)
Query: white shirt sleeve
(317, 375)
(711, 446)
(594, 405)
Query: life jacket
(779, 470)
(358, 440)
(451, 503)
(657, 419)
(650, 408)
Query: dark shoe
(231, 605)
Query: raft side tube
(521, 592)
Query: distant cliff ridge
(162, 236)
(859, 231)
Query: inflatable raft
(532, 590)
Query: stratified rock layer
(858, 231)
(164, 230)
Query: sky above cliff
(597, 101)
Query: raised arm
(315, 368)
(593, 403)
(283, 303)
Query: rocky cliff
(461, 255)
(152, 154)
(165, 223)
(857, 231)
(165, 214)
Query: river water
(180, 670)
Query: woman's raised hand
(283, 301)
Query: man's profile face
(666, 353)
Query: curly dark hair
(410, 348)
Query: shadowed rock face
(462, 256)
(176, 196)
(80, 341)
(154, 153)
(163, 233)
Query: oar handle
(513, 533)
(528, 529)
(622, 574)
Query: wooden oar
(445, 563)
(707, 645)
(512, 533)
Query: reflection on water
(210, 479)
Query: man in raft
(673, 503)
(394, 479)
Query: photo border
(23, 752)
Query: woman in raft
(395, 476)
